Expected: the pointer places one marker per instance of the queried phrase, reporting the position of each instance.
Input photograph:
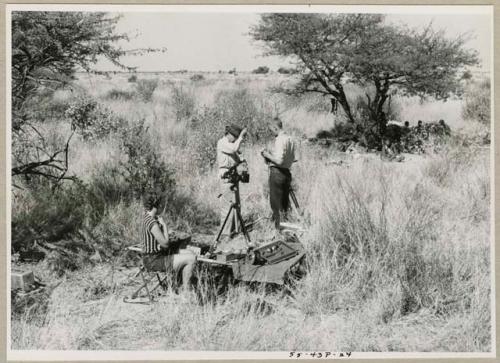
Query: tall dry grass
(398, 253)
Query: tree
(332, 50)
(47, 49)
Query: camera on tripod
(237, 173)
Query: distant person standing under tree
(280, 160)
(228, 155)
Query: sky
(213, 41)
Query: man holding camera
(228, 156)
(280, 160)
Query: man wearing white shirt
(280, 160)
(228, 155)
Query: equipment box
(226, 257)
(23, 280)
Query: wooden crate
(23, 280)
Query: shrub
(241, 107)
(183, 102)
(197, 77)
(132, 78)
(92, 120)
(48, 215)
(477, 102)
(117, 94)
(284, 70)
(107, 187)
(261, 70)
(144, 170)
(229, 107)
(145, 88)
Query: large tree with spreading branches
(332, 50)
(47, 49)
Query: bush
(92, 120)
(117, 94)
(48, 215)
(284, 70)
(132, 78)
(144, 170)
(477, 102)
(261, 70)
(145, 88)
(183, 102)
(197, 77)
(241, 107)
(236, 107)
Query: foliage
(197, 77)
(285, 70)
(47, 49)
(238, 107)
(477, 102)
(144, 170)
(334, 49)
(183, 102)
(118, 94)
(145, 88)
(92, 120)
(48, 215)
(261, 70)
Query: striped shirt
(149, 242)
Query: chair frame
(142, 271)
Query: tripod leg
(223, 224)
(294, 199)
(243, 227)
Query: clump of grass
(117, 94)
(145, 88)
(477, 102)
(197, 77)
(183, 103)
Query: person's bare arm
(267, 155)
(231, 148)
(160, 237)
(277, 156)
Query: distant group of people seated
(403, 138)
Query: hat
(233, 130)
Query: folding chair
(136, 296)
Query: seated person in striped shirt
(158, 254)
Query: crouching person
(158, 254)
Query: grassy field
(399, 253)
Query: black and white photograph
(265, 181)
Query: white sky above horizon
(213, 41)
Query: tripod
(293, 197)
(236, 208)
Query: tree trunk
(342, 99)
(377, 106)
